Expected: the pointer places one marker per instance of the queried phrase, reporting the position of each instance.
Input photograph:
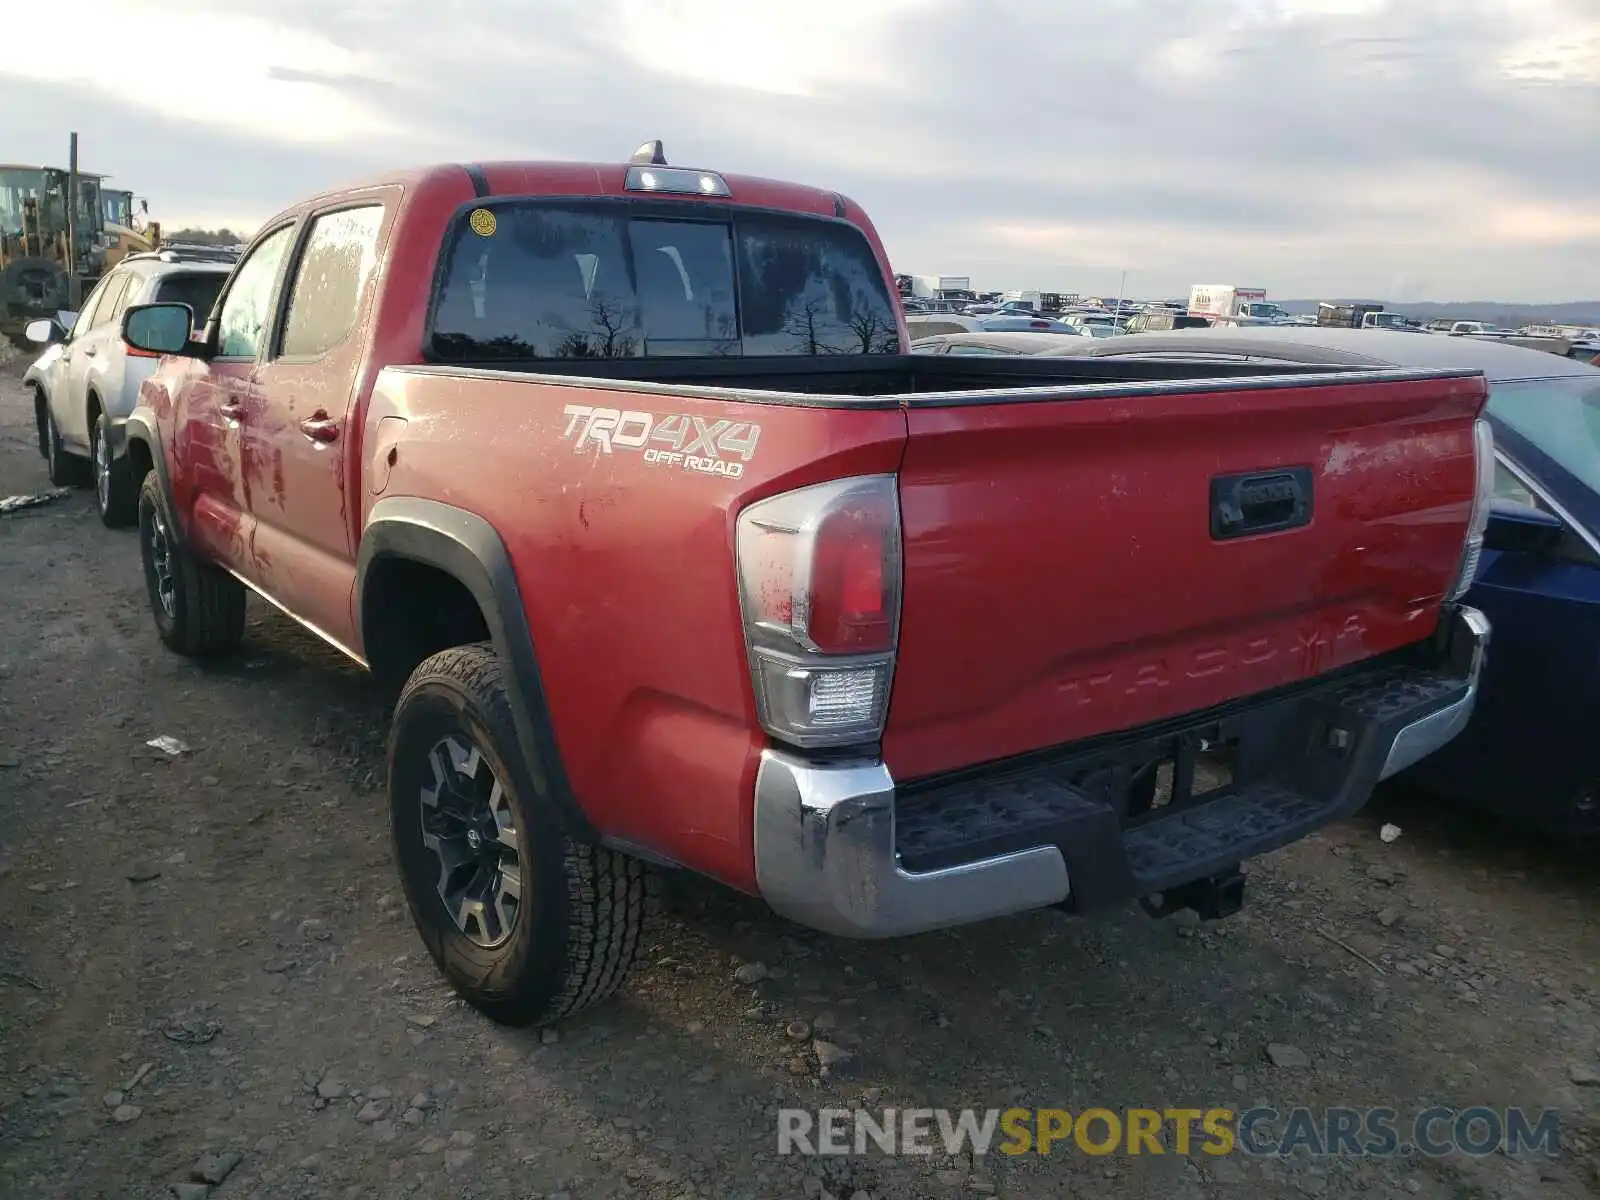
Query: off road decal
(684, 443)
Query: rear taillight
(819, 586)
(1483, 451)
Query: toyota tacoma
(623, 475)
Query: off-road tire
(206, 618)
(584, 908)
(65, 470)
(53, 296)
(118, 500)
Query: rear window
(198, 291)
(541, 281)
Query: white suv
(87, 381)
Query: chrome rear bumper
(827, 855)
(1414, 742)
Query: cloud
(805, 49)
(327, 79)
(227, 68)
(1314, 147)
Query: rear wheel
(114, 492)
(528, 925)
(198, 608)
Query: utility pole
(1122, 288)
(72, 225)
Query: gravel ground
(206, 971)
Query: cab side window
(330, 280)
(247, 308)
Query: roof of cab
(539, 178)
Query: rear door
(300, 434)
(1079, 566)
(108, 355)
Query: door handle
(320, 428)
(90, 352)
(233, 411)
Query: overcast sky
(1402, 149)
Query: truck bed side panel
(627, 572)
(1062, 580)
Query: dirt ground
(205, 969)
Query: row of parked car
(934, 317)
(1079, 322)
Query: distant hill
(1583, 312)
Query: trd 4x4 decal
(686, 442)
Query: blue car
(1526, 752)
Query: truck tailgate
(1092, 563)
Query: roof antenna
(651, 154)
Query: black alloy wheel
(470, 827)
(159, 576)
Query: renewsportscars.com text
(1372, 1132)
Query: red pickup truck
(625, 473)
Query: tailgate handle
(1260, 502)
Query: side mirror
(43, 332)
(158, 328)
(1520, 529)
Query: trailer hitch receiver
(1212, 898)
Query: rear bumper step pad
(1307, 774)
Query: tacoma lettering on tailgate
(688, 443)
(1316, 649)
